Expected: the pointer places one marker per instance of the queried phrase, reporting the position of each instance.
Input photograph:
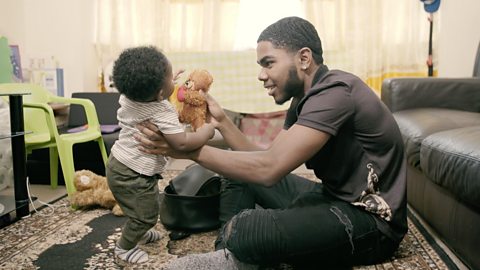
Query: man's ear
(305, 56)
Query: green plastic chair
(39, 120)
(6, 69)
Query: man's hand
(215, 113)
(151, 139)
(153, 142)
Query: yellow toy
(92, 190)
(194, 108)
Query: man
(340, 129)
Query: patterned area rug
(67, 239)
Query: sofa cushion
(452, 160)
(416, 124)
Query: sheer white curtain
(374, 39)
(255, 15)
(172, 25)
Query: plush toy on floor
(194, 104)
(92, 190)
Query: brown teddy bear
(194, 108)
(92, 190)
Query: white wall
(64, 29)
(59, 28)
(459, 37)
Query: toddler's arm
(188, 141)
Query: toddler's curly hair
(139, 73)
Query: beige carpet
(67, 239)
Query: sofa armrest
(450, 93)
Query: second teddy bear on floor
(92, 190)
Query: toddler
(143, 76)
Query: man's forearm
(253, 167)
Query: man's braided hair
(292, 34)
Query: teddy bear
(93, 190)
(194, 107)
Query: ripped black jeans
(297, 223)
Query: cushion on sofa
(452, 159)
(416, 124)
(106, 105)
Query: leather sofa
(439, 119)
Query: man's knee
(234, 197)
(253, 236)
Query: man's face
(279, 72)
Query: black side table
(17, 136)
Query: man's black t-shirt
(363, 162)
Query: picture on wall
(16, 63)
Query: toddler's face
(168, 86)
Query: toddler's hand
(177, 74)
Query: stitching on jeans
(345, 221)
